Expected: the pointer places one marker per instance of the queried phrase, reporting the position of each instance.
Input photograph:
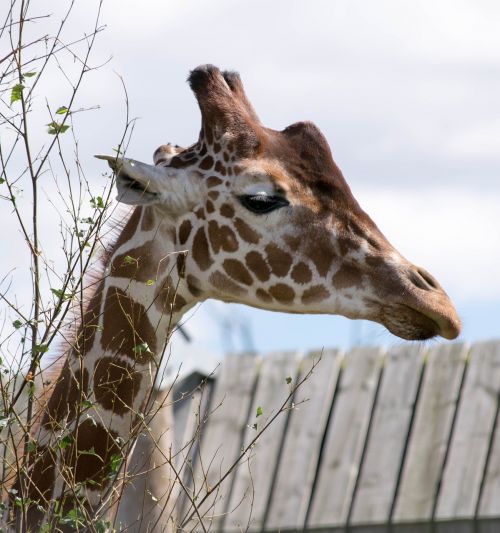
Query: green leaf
(2, 181)
(17, 324)
(16, 93)
(88, 220)
(28, 74)
(149, 282)
(55, 128)
(254, 426)
(102, 526)
(129, 260)
(31, 446)
(61, 294)
(142, 348)
(97, 202)
(65, 442)
(115, 462)
(288, 380)
(86, 404)
(41, 348)
(260, 412)
(62, 110)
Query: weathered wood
(254, 477)
(221, 441)
(430, 432)
(391, 419)
(345, 438)
(190, 421)
(471, 437)
(299, 457)
(489, 505)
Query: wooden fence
(372, 441)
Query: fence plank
(464, 469)
(345, 439)
(306, 426)
(489, 505)
(430, 432)
(254, 477)
(221, 440)
(391, 419)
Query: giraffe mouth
(126, 184)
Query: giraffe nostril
(422, 279)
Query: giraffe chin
(412, 325)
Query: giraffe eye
(262, 203)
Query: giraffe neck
(98, 401)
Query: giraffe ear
(223, 104)
(142, 184)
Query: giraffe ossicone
(246, 214)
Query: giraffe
(246, 214)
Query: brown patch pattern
(184, 231)
(200, 251)
(213, 181)
(193, 284)
(207, 163)
(125, 326)
(279, 260)
(148, 219)
(282, 293)
(246, 232)
(227, 211)
(301, 273)
(263, 296)
(236, 270)
(116, 384)
(315, 294)
(221, 237)
(224, 284)
(91, 453)
(255, 262)
(141, 263)
(346, 277)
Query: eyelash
(262, 203)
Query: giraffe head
(268, 220)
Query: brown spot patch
(216, 147)
(315, 294)
(184, 231)
(221, 237)
(236, 270)
(207, 163)
(322, 253)
(43, 474)
(126, 325)
(181, 264)
(225, 155)
(279, 260)
(220, 168)
(69, 391)
(200, 213)
(129, 229)
(116, 384)
(141, 263)
(200, 251)
(213, 195)
(90, 323)
(301, 273)
(263, 295)
(257, 265)
(346, 277)
(213, 181)
(209, 206)
(282, 293)
(246, 232)
(148, 219)
(227, 210)
(292, 241)
(91, 453)
(167, 300)
(194, 285)
(225, 285)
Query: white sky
(405, 91)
